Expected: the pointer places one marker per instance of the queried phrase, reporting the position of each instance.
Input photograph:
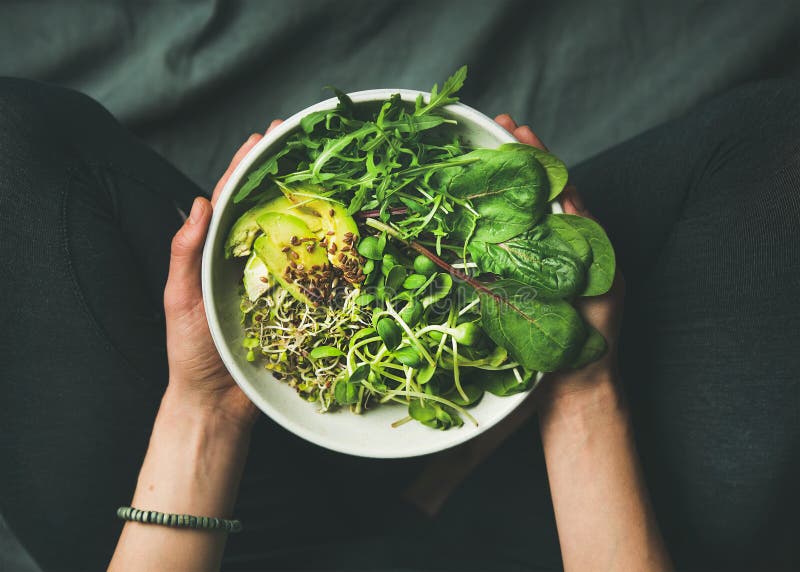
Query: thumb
(183, 291)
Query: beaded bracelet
(209, 523)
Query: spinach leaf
(593, 349)
(555, 167)
(507, 188)
(601, 272)
(539, 258)
(556, 224)
(540, 335)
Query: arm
(201, 434)
(603, 513)
(192, 466)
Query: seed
(345, 248)
(301, 267)
(331, 212)
(348, 234)
(315, 267)
(293, 264)
(310, 248)
(294, 255)
(330, 233)
(264, 279)
(332, 249)
(294, 241)
(286, 249)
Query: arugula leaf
(441, 98)
(254, 179)
(540, 335)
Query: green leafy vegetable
(593, 349)
(601, 272)
(506, 382)
(555, 168)
(541, 260)
(324, 351)
(541, 335)
(507, 191)
(378, 285)
(390, 332)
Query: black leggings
(704, 214)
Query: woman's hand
(198, 378)
(201, 434)
(602, 312)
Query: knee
(752, 133)
(20, 116)
(40, 137)
(36, 111)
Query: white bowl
(369, 434)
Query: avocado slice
(257, 278)
(245, 229)
(338, 234)
(292, 254)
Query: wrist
(194, 461)
(225, 407)
(591, 391)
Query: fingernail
(197, 211)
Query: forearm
(193, 466)
(603, 515)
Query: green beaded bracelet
(178, 520)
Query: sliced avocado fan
(324, 235)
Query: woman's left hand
(197, 377)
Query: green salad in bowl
(386, 261)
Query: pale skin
(201, 434)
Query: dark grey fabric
(194, 79)
(703, 212)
